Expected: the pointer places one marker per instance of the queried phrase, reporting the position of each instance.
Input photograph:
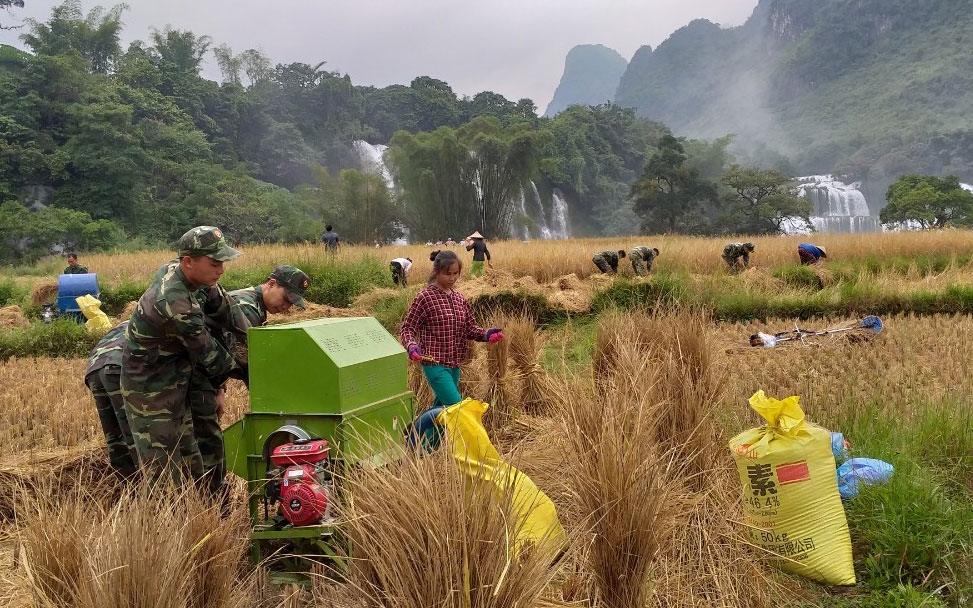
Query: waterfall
(373, 161)
(838, 207)
(521, 214)
(559, 219)
(966, 187)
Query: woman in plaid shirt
(437, 326)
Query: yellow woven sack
(90, 307)
(475, 455)
(790, 493)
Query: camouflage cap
(208, 241)
(294, 281)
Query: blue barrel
(71, 286)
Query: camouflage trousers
(640, 266)
(104, 387)
(176, 430)
(732, 262)
(602, 264)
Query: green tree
(94, 38)
(930, 201)
(760, 201)
(671, 196)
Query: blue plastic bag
(839, 448)
(868, 471)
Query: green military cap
(294, 281)
(208, 241)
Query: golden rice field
(547, 260)
(673, 385)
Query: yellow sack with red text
(470, 447)
(790, 493)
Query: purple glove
(493, 335)
(415, 353)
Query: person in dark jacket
(810, 254)
(480, 253)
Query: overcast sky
(512, 47)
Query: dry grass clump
(126, 313)
(315, 311)
(525, 344)
(649, 463)
(164, 548)
(51, 473)
(13, 316)
(758, 278)
(43, 291)
(44, 405)
(426, 535)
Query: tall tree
(761, 201)
(671, 196)
(94, 38)
(929, 201)
(180, 49)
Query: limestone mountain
(866, 88)
(591, 73)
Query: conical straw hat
(475, 235)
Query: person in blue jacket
(810, 254)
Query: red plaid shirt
(440, 323)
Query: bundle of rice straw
(52, 470)
(315, 311)
(525, 345)
(44, 291)
(12, 316)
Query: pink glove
(494, 335)
(415, 353)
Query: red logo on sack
(793, 472)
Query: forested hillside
(132, 146)
(870, 89)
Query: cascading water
(528, 204)
(838, 207)
(373, 161)
(559, 216)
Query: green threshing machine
(315, 386)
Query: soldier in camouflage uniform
(102, 378)
(642, 258)
(285, 286)
(73, 267)
(607, 261)
(734, 252)
(167, 341)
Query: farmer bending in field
(400, 268)
(737, 256)
(642, 258)
(607, 261)
(170, 359)
(810, 254)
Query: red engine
(301, 481)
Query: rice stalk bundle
(158, 547)
(525, 346)
(426, 535)
(44, 291)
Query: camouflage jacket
(167, 335)
(79, 269)
(645, 253)
(610, 256)
(108, 351)
(251, 303)
(733, 251)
